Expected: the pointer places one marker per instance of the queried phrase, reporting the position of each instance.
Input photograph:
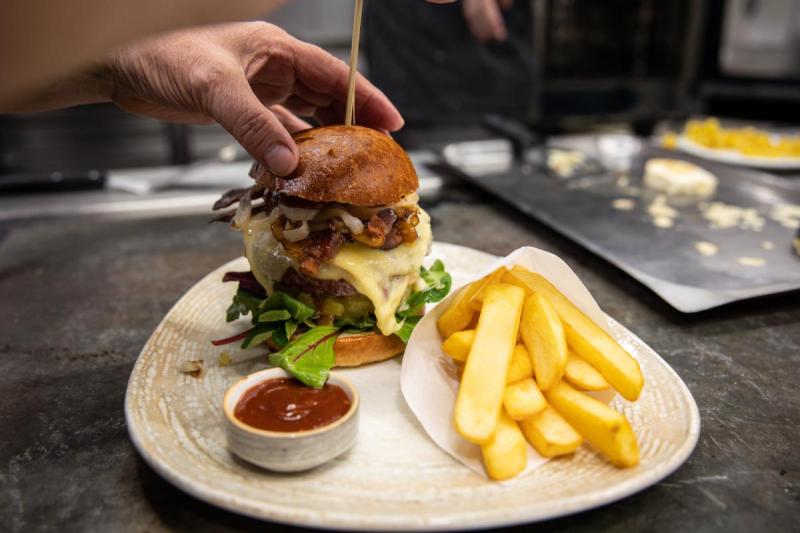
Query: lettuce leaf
(244, 303)
(365, 323)
(407, 327)
(437, 285)
(310, 356)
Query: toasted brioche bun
(362, 348)
(349, 165)
(356, 349)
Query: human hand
(236, 74)
(485, 18)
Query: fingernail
(280, 159)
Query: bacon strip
(387, 229)
(312, 251)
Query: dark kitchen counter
(80, 296)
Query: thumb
(258, 130)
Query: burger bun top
(345, 164)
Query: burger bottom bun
(362, 348)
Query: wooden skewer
(350, 112)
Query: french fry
(607, 430)
(616, 365)
(476, 301)
(523, 399)
(520, 367)
(544, 338)
(483, 383)
(459, 314)
(582, 375)
(462, 310)
(458, 344)
(550, 434)
(586, 338)
(504, 455)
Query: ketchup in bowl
(286, 405)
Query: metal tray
(664, 259)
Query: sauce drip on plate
(285, 404)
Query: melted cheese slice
(383, 276)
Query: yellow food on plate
(669, 140)
(588, 340)
(544, 338)
(476, 301)
(483, 382)
(459, 314)
(550, 434)
(524, 351)
(748, 140)
(520, 367)
(523, 399)
(458, 344)
(504, 455)
(606, 429)
(582, 375)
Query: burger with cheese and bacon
(336, 254)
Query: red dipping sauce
(285, 404)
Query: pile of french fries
(526, 353)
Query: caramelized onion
(297, 234)
(243, 212)
(353, 223)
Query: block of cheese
(678, 178)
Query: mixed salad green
(303, 347)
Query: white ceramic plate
(395, 477)
(732, 157)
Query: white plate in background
(733, 157)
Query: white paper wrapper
(428, 378)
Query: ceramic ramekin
(289, 451)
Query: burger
(336, 254)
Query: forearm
(89, 87)
(49, 40)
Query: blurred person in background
(455, 64)
(251, 77)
